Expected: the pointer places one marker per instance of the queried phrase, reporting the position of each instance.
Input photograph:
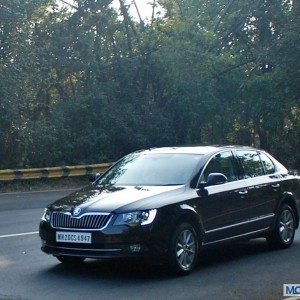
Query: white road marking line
(18, 234)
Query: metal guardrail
(55, 172)
(61, 172)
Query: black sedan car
(170, 203)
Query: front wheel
(70, 259)
(183, 249)
(284, 232)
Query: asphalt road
(240, 271)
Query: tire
(284, 232)
(70, 260)
(183, 249)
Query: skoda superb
(170, 203)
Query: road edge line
(18, 234)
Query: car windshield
(152, 169)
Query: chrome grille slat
(98, 223)
(90, 222)
(86, 221)
(94, 222)
(103, 221)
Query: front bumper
(111, 242)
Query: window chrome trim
(241, 223)
(237, 236)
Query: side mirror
(93, 177)
(216, 178)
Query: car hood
(109, 199)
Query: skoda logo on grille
(76, 211)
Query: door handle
(243, 192)
(275, 185)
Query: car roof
(193, 149)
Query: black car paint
(217, 216)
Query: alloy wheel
(186, 249)
(286, 226)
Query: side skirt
(253, 234)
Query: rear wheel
(284, 232)
(70, 259)
(183, 249)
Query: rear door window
(251, 163)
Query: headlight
(46, 216)
(136, 218)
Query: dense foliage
(90, 83)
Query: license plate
(74, 237)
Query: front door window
(221, 163)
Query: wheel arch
(289, 200)
(189, 215)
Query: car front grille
(86, 221)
